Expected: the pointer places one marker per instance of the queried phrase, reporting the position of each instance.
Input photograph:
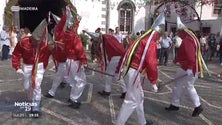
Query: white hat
(69, 19)
(159, 21)
(56, 18)
(180, 25)
(40, 30)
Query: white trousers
(111, 68)
(133, 101)
(187, 84)
(76, 78)
(58, 78)
(33, 94)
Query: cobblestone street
(97, 110)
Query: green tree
(84, 39)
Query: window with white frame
(126, 17)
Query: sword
(160, 86)
(111, 75)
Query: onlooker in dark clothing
(220, 51)
(111, 31)
(94, 49)
(212, 45)
(218, 38)
(137, 34)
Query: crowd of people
(9, 37)
(210, 47)
(169, 43)
(126, 64)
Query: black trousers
(164, 55)
(5, 52)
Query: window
(206, 30)
(126, 17)
(217, 8)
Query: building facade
(136, 15)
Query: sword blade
(160, 86)
(99, 71)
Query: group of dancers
(127, 65)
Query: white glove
(154, 88)
(19, 71)
(84, 65)
(189, 72)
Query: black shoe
(123, 95)
(149, 122)
(49, 96)
(172, 108)
(69, 100)
(104, 93)
(75, 105)
(197, 111)
(62, 85)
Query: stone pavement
(97, 110)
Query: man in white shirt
(5, 42)
(166, 44)
(118, 35)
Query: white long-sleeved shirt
(4, 38)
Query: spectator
(204, 46)
(128, 40)
(166, 44)
(142, 32)
(137, 35)
(13, 39)
(25, 32)
(218, 37)
(95, 47)
(5, 42)
(118, 35)
(17, 31)
(0, 38)
(220, 51)
(212, 45)
(111, 31)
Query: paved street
(97, 110)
